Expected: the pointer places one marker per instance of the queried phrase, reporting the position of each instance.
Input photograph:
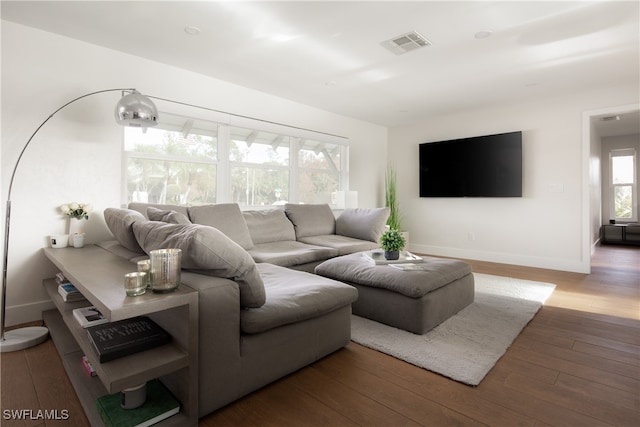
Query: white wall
(77, 155)
(544, 228)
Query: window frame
(625, 152)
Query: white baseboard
(575, 266)
(19, 314)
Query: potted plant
(392, 241)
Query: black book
(125, 337)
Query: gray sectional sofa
(260, 317)
(294, 236)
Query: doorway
(596, 125)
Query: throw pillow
(142, 207)
(269, 226)
(172, 217)
(120, 222)
(311, 220)
(206, 250)
(226, 217)
(363, 223)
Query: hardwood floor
(576, 364)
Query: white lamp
(133, 109)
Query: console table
(176, 363)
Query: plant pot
(391, 255)
(76, 226)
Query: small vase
(391, 255)
(76, 226)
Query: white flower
(77, 210)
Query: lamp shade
(136, 110)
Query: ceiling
(328, 54)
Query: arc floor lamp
(133, 109)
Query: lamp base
(19, 339)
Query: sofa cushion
(120, 223)
(142, 207)
(434, 273)
(311, 220)
(343, 244)
(294, 296)
(360, 223)
(290, 253)
(226, 217)
(269, 226)
(206, 250)
(170, 216)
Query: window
(174, 163)
(623, 185)
(320, 167)
(189, 161)
(259, 163)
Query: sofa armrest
(219, 339)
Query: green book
(160, 404)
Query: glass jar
(165, 269)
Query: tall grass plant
(391, 198)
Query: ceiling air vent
(406, 43)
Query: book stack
(89, 316)
(159, 405)
(67, 291)
(124, 337)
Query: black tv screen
(482, 166)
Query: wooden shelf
(87, 388)
(98, 275)
(125, 372)
(103, 283)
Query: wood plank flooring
(576, 364)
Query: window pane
(252, 186)
(319, 177)
(622, 169)
(187, 138)
(623, 202)
(262, 148)
(319, 155)
(169, 182)
(317, 186)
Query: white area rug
(466, 346)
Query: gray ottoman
(413, 300)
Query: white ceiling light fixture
(406, 42)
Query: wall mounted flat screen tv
(482, 166)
